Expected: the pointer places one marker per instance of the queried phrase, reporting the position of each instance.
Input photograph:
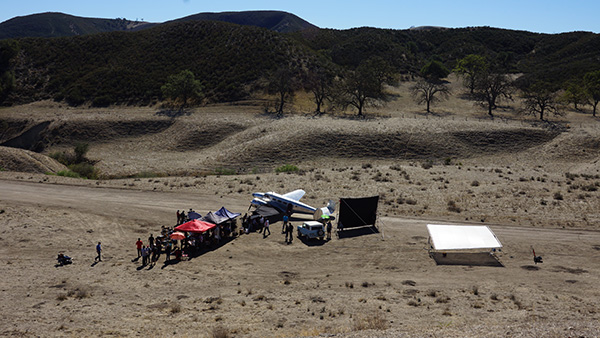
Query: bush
(85, 170)
(453, 207)
(370, 322)
(225, 171)
(68, 173)
(287, 168)
(80, 150)
(220, 332)
(102, 101)
(63, 157)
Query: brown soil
(534, 185)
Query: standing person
(147, 255)
(99, 251)
(266, 228)
(144, 255)
(158, 246)
(329, 230)
(154, 256)
(285, 222)
(289, 233)
(168, 252)
(151, 241)
(139, 244)
(178, 217)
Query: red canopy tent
(195, 225)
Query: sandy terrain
(534, 185)
(262, 287)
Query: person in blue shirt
(99, 251)
(285, 221)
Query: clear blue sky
(545, 16)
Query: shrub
(442, 299)
(220, 332)
(558, 196)
(225, 171)
(427, 164)
(475, 183)
(453, 207)
(370, 322)
(80, 150)
(63, 158)
(287, 168)
(175, 308)
(102, 101)
(85, 170)
(68, 173)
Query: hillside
(277, 21)
(233, 60)
(50, 24)
(130, 68)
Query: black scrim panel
(357, 212)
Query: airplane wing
(295, 195)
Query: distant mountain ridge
(52, 24)
(277, 21)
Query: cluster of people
(261, 225)
(156, 246)
(193, 242)
(182, 217)
(211, 238)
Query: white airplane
(290, 203)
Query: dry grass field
(535, 184)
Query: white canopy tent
(462, 237)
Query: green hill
(129, 67)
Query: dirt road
(381, 284)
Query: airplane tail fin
(326, 211)
(331, 206)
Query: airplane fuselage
(282, 203)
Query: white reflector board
(462, 237)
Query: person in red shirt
(139, 244)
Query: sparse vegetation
(220, 332)
(452, 207)
(225, 171)
(287, 168)
(370, 322)
(175, 308)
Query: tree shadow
(433, 113)
(172, 113)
